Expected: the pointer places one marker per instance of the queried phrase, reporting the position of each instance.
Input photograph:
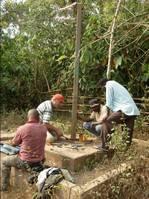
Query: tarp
(8, 149)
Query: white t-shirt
(119, 99)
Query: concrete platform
(73, 156)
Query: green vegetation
(40, 56)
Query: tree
(40, 57)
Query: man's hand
(11, 143)
(58, 132)
(79, 117)
(83, 118)
(43, 161)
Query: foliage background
(37, 48)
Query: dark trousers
(118, 118)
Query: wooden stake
(76, 72)
(111, 40)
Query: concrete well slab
(73, 157)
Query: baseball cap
(94, 103)
(58, 97)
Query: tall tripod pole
(76, 72)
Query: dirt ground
(25, 191)
(92, 170)
(109, 163)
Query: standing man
(123, 108)
(31, 137)
(45, 110)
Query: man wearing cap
(45, 110)
(98, 115)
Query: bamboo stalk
(48, 86)
(111, 40)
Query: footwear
(101, 148)
(108, 137)
(112, 130)
(105, 149)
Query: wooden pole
(111, 40)
(76, 72)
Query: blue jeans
(94, 129)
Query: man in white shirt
(45, 110)
(123, 108)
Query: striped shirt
(45, 111)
